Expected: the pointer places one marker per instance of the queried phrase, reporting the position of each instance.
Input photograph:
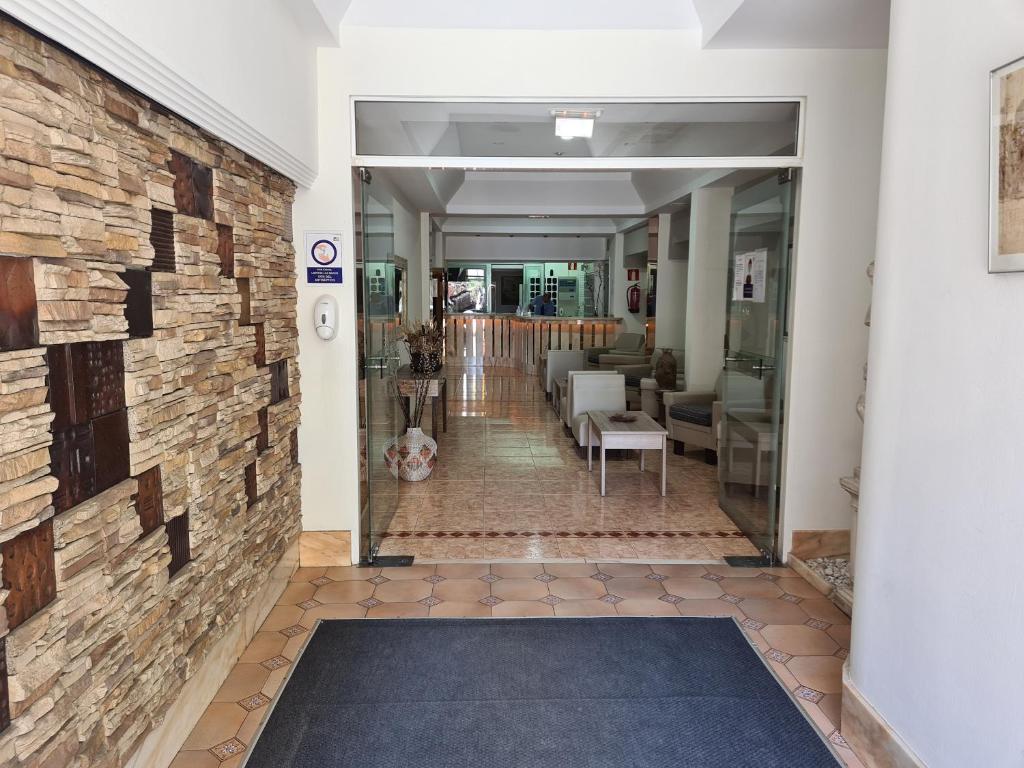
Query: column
(707, 286)
(631, 323)
(670, 310)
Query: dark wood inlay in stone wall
(251, 495)
(138, 308)
(177, 539)
(261, 345)
(5, 700)
(29, 573)
(104, 367)
(149, 500)
(278, 381)
(226, 250)
(193, 186)
(161, 237)
(245, 315)
(263, 438)
(90, 428)
(19, 322)
(110, 437)
(73, 463)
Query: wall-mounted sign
(632, 274)
(749, 275)
(323, 257)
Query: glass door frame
(710, 164)
(379, 363)
(738, 363)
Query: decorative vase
(411, 456)
(666, 369)
(425, 362)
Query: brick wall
(148, 399)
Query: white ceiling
(524, 14)
(721, 23)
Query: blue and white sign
(323, 257)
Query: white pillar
(670, 309)
(424, 267)
(631, 323)
(706, 286)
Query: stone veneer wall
(83, 161)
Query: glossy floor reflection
(509, 484)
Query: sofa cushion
(633, 381)
(595, 357)
(691, 413)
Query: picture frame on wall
(1006, 169)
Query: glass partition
(750, 438)
(557, 129)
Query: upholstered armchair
(566, 406)
(693, 418)
(628, 348)
(594, 393)
(558, 363)
(642, 388)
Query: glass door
(753, 377)
(381, 416)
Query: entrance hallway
(801, 635)
(509, 484)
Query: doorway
(746, 483)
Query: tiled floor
(803, 637)
(509, 484)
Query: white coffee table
(642, 434)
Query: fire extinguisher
(633, 298)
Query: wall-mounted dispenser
(325, 317)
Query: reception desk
(517, 342)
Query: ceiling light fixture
(575, 123)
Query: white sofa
(565, 407)
(594, 393)
(558, 363)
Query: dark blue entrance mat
(571, 693)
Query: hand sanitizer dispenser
(325, 317)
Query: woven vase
(666, 370)
(411, 456)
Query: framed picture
(1006, 170)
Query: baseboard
(162, 744)
(810, 544)
(320, 549)
(873, 739)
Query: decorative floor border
(563, 534)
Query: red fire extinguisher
(633, 298)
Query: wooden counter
(517, 342)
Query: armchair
(558, 363)
(642, 388)
(594, 393)
(694, 418)
(566, 406)
(628, 348)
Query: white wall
(836, 233)
(512, 250)
(939, 608)
(243, 69)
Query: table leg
(641, 459)
(664, 462)
(590, 446)
(602, 467)
(433, 418)
(444, 406)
